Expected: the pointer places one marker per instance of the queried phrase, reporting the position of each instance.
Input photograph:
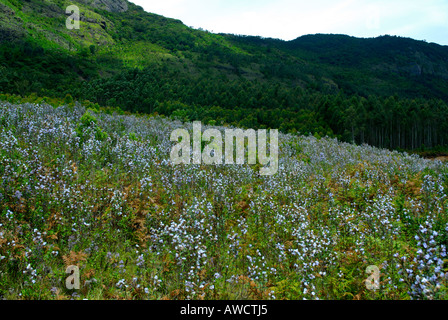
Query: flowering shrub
(98, 190)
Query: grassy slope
(96, 189)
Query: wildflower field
(96, 189)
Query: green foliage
(92, 49)
(68, 99)
(87, 120)
(88, 125)
(322, 85)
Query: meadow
(96, 189)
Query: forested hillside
(389, 92)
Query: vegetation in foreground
(96, 189)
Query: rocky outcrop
(108, 5)
(420, 65)
(11, 27)
(6, 10)
(433, 66)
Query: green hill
(386, 91)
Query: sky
(289, 19)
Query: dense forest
(389, 92)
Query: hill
(96, 189)
(386, 91)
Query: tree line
(388, 122)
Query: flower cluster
(74, 180)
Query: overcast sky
(289, 19)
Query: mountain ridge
(418, 57)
